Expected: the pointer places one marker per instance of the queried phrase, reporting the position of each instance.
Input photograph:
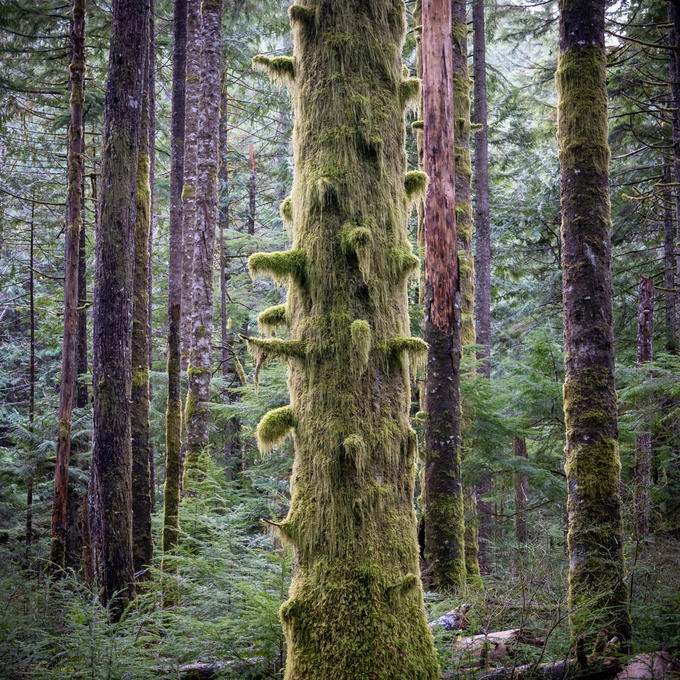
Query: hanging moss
(240, 371)
(280, 69)
(272, 319)
(459, 33)
(409, 92)
(304, 15)
(286, 211)
(280, 267)
(417, 125)
(358, 239)
(415, 184)
(274, 427)
(361, 344)
(264, 350)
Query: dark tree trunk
(669, 280)
(31, 382)
(597, 591)
(252, 191)
(74, 219)
(521, 493)
(482, 250)
(110, 484)
(173, 421)
(674, 67)
(643, 453)
(142, 544)
(151, 76)
(81, 343)
(444, 551)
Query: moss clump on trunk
(355, 608)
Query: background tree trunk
(597, 591)
(521, 494)
(110, 484)
(252, 187)
(74, 220)
(674, 67)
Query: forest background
(232, 573)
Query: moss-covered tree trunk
(111, 472)
(355, 608)
(192, 114)
(142, 544)
(444, 550)
(252, 187)
(482, 252)
(643, 452)
(173, 414)
(197, 410)
(74, 220)
(597, 591)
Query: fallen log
(498, 646)
(453, 620)
(224, 670)
(567, 669)
(653, 666)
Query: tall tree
(252, 187)
(197, 411)
(674, 68)
(597, 591)
(74, 220)
(482, 249)
(355, 608)
(142, 544)
(173, 414)
(444, 550)
(111, 472)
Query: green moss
(280, 69)
(188, 192)
(272, 319)
(361, 344)
(415, 348)
(415, 185)
(358, 239)
(459, 33)
(355, 450)
(140, 377)
(582, 111)
(190, 406)
(274, 427)
(409, 92)
(403, 263)
(304, 15)
(240, 371)
(286, 211)
(281, 267)
(264, 350)
(417, 125)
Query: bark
(142, 544)
(82, 398)
(521, 493)
(74, 219)
(197, 411)
(192, 114)
(597, 592)
(674, 67)
(482, 251)
(643, 453)
(151, 77)
(444, 552)
(110, 483)
(251, 191)
(355, 606)
(669, 281)
(173, 415)
(31, 382)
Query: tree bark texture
(111, 472)
(252, 189)
(355, 606)
(142, 544)
(669, 282)
(173, 414)
(597, 592)
(192, 115)
(197, 411)
(151, 78)
(444, 551)
(31, 381)
(643, 452)
(674, 67)
(74, 220)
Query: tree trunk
(197, 411)
(669, 282)
(643, 452)
(173, 414)
(142, 544)
(482, 251)
(31, 383)
(674, 67)
(444, 550)
(251, 191)
(192, 114)
(355, 608)
(597, 591)
(521, 494)
(110, 484)
(151, 77)
(74, 219)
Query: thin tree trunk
(152, 181)
(111, 472)
(669, 280)
(192, 114)
(31, 382)
(173, 415)
(521, 494)
(482, 251)
(674, 67)
(197, 409)
(251, 191)
(74, 219)
(643, 452)
(444, 550)
(82, 399)
(142, 544)
(597, 591)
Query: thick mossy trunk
(142, 544)
(173, 414)
(597, 591)
(74, 220)
(355, 608)
(197, 411)
(110, 483)
(444, 551)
